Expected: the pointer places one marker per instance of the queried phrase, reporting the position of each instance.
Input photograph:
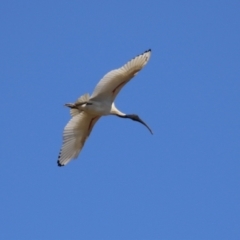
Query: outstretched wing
(74, 136)
(110, 85)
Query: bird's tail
(74, 109)
(84, 98)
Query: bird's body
(97, 108)
(88, 109)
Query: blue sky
(182, 182)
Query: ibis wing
(74, 136)
(110, 85)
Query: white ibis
(87, 109)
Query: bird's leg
(70, 105)
(76, 105)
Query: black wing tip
(149, 50)
(59, 164)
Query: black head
(136, 118)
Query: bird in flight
(87, 110)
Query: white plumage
(87, 110)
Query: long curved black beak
(136, 118)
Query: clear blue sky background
(182, 182)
